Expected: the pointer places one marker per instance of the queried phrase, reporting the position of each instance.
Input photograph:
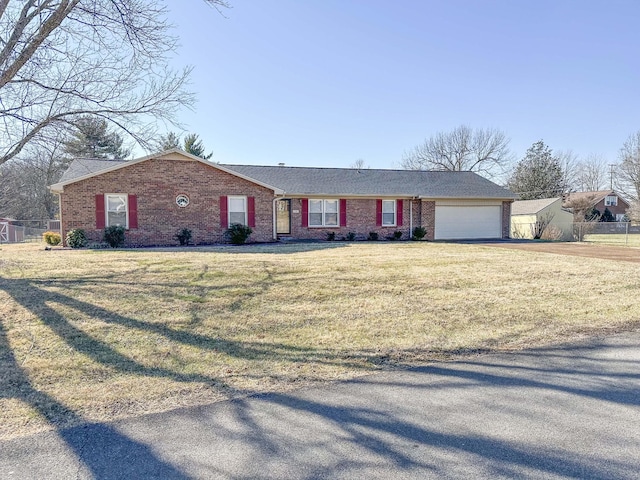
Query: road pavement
(567, 412)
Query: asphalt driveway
(570, 412)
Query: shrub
(76, 238)
(397, 235)
(52, 238)
(373, 236)
(184, 236)
(331, 236)
(419, 233)
(351, 236)
(238, 234)
(114, 236)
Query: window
(117, 211)
(610, 201)
(238, 210)
(323, 213)
(388, 213)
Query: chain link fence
(18, 231)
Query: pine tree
(92, 139)
(538, 175)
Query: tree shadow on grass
(100, 448)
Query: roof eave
(59, 187)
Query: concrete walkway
(571, 412)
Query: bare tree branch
(463, 149)
(61, 59)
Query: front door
(283, 217)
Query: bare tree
(463, 149)
(542, 222)
(592, 174)
(359, 164)
(570, 168)
(23, 182)
(629, 169)
(61, 59)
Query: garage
(468, 220)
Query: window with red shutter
(133, 211)
(251, 211)
(224, 218)
(100, 214)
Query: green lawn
(97, 335)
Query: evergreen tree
(168, 142)
(538, 175)
(194, 146)
(92, 139)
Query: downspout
(410, 217)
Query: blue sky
(324, 83)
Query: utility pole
(611, 168)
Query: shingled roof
(332, 181)
(81, 167)
(530, 207)
(371, 182)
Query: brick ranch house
(157, 195)
(600, 200)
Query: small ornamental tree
(76, 238)
(238, 233)
(52, 238)
(114, 236)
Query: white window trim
(324, 212)
(395, 214)
(611, 201)
(106, 208)
(246, 208)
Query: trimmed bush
(351, 236)
(76, 238)
(419, 233)
(184, 236)
(114, 236)
(373, 236)
(238, 234)
(52, 238)
(331, 236)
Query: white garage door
(468, 221)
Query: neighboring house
(157, 195)
(10, 232)
(601, 200)
(528, 217)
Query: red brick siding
(619, 209)
(361, 219)
(506, 219)
(428, 218)
(156, 183)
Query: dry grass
(630, 240)
(97, 335)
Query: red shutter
(99, 211)
(343, 212)
(378, 213)
(224, 212)
(133, 211)
(251, 211)
(399, 204)
(305, 212)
